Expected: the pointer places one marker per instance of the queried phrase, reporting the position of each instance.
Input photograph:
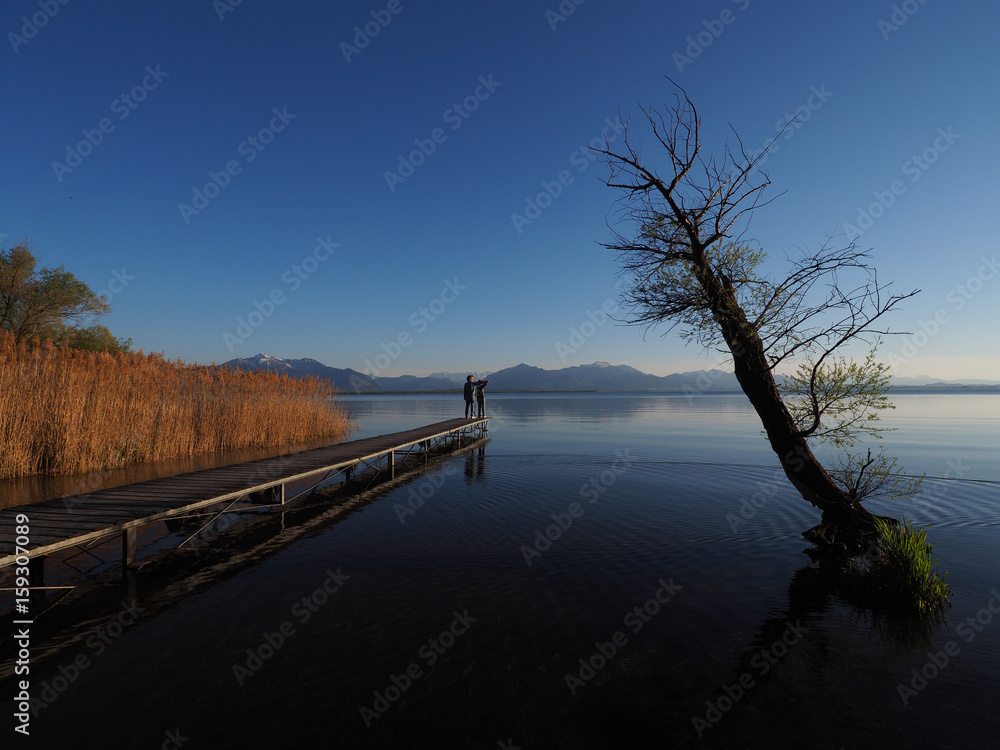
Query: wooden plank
(35, 536)
(133, 503)
(74, 503)
(9, 539)
(52, 528)
(168, 492)
(38, 519)
(64, 521)
(99, 515)
(36, 543)
(88, 511)
(144, 492)
(117, 505)
(181, 484)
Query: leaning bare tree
(689, 265)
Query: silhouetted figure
(470, 390)
(481, 397)
(473, 390)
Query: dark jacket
(481, 390)
(469, 390)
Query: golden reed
(66, 411)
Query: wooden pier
(80, 520)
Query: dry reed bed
(68, 411)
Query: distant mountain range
(345, 380)
(458, 377)
(599, 376)
(602, 376)
(925, 381)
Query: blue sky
(225, 171)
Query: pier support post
(392, 464)
(128, 547)
(270, 496)
(36, 569)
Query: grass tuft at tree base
(898, 571)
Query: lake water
(669, 605)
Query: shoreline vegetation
(67, 411)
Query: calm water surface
(671, 605)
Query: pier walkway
(90, 518)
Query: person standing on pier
(470, 389)
(481, 397)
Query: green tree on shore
(51, 303)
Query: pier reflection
(80, 599)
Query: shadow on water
(812, 593)
(786, 689)
(794, 668)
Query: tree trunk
(756, 378)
